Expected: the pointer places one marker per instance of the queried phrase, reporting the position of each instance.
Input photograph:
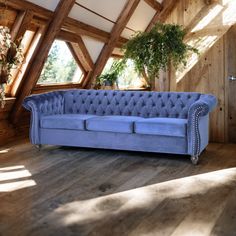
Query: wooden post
(168, 6)
(35, 70)
(115, 35)
(69, 24)
(20, 25)
(82, 54)
(154, 4)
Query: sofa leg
(195, 159)
(39, 146)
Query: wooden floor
(75, 191)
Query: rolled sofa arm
(51, 103)
(200, 108)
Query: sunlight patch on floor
(14, 178)
(4, 151)
(14, 174)
(13, 186)
(144, 198)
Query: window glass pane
(129, 78)
(60, 66)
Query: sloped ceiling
(103, 14)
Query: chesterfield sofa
(163, 122)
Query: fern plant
(154, 50)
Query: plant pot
(3, 76)
(108, 83)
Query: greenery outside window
(60, 67)
(129, 78)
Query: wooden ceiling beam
(154, 4)
(69, 24)
(24, 5)
(198, 17)
(80, 28)
(82, 54)
(20, 25)
(168, 6)
(75, 56)
(117, 29)
(30, 79)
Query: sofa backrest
(129, 103)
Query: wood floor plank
(87, 192)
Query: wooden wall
(209, 74)
(230, 85)
(8, 132)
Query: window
(60, 66)
(129, 78)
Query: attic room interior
(117, 117)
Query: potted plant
(11, 56)
(109, 77)
(154, 50)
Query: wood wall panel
(8, 132)
(208, 75)
(230, 70)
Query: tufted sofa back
(129, 103)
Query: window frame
(64, 85)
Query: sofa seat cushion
(162, 126)
(120, 124)
(65, 121)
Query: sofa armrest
(199, 109)
(42, 104)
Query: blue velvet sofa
(164, 122)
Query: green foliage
(11, 57)
(60, 66)
(154, 50)
(111, 76)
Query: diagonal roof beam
(31, 78)
(106, 52)
(154, 4)
(82, 54)
(168, 6)
(21, 24)
(69, 24)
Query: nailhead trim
(195, 127)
